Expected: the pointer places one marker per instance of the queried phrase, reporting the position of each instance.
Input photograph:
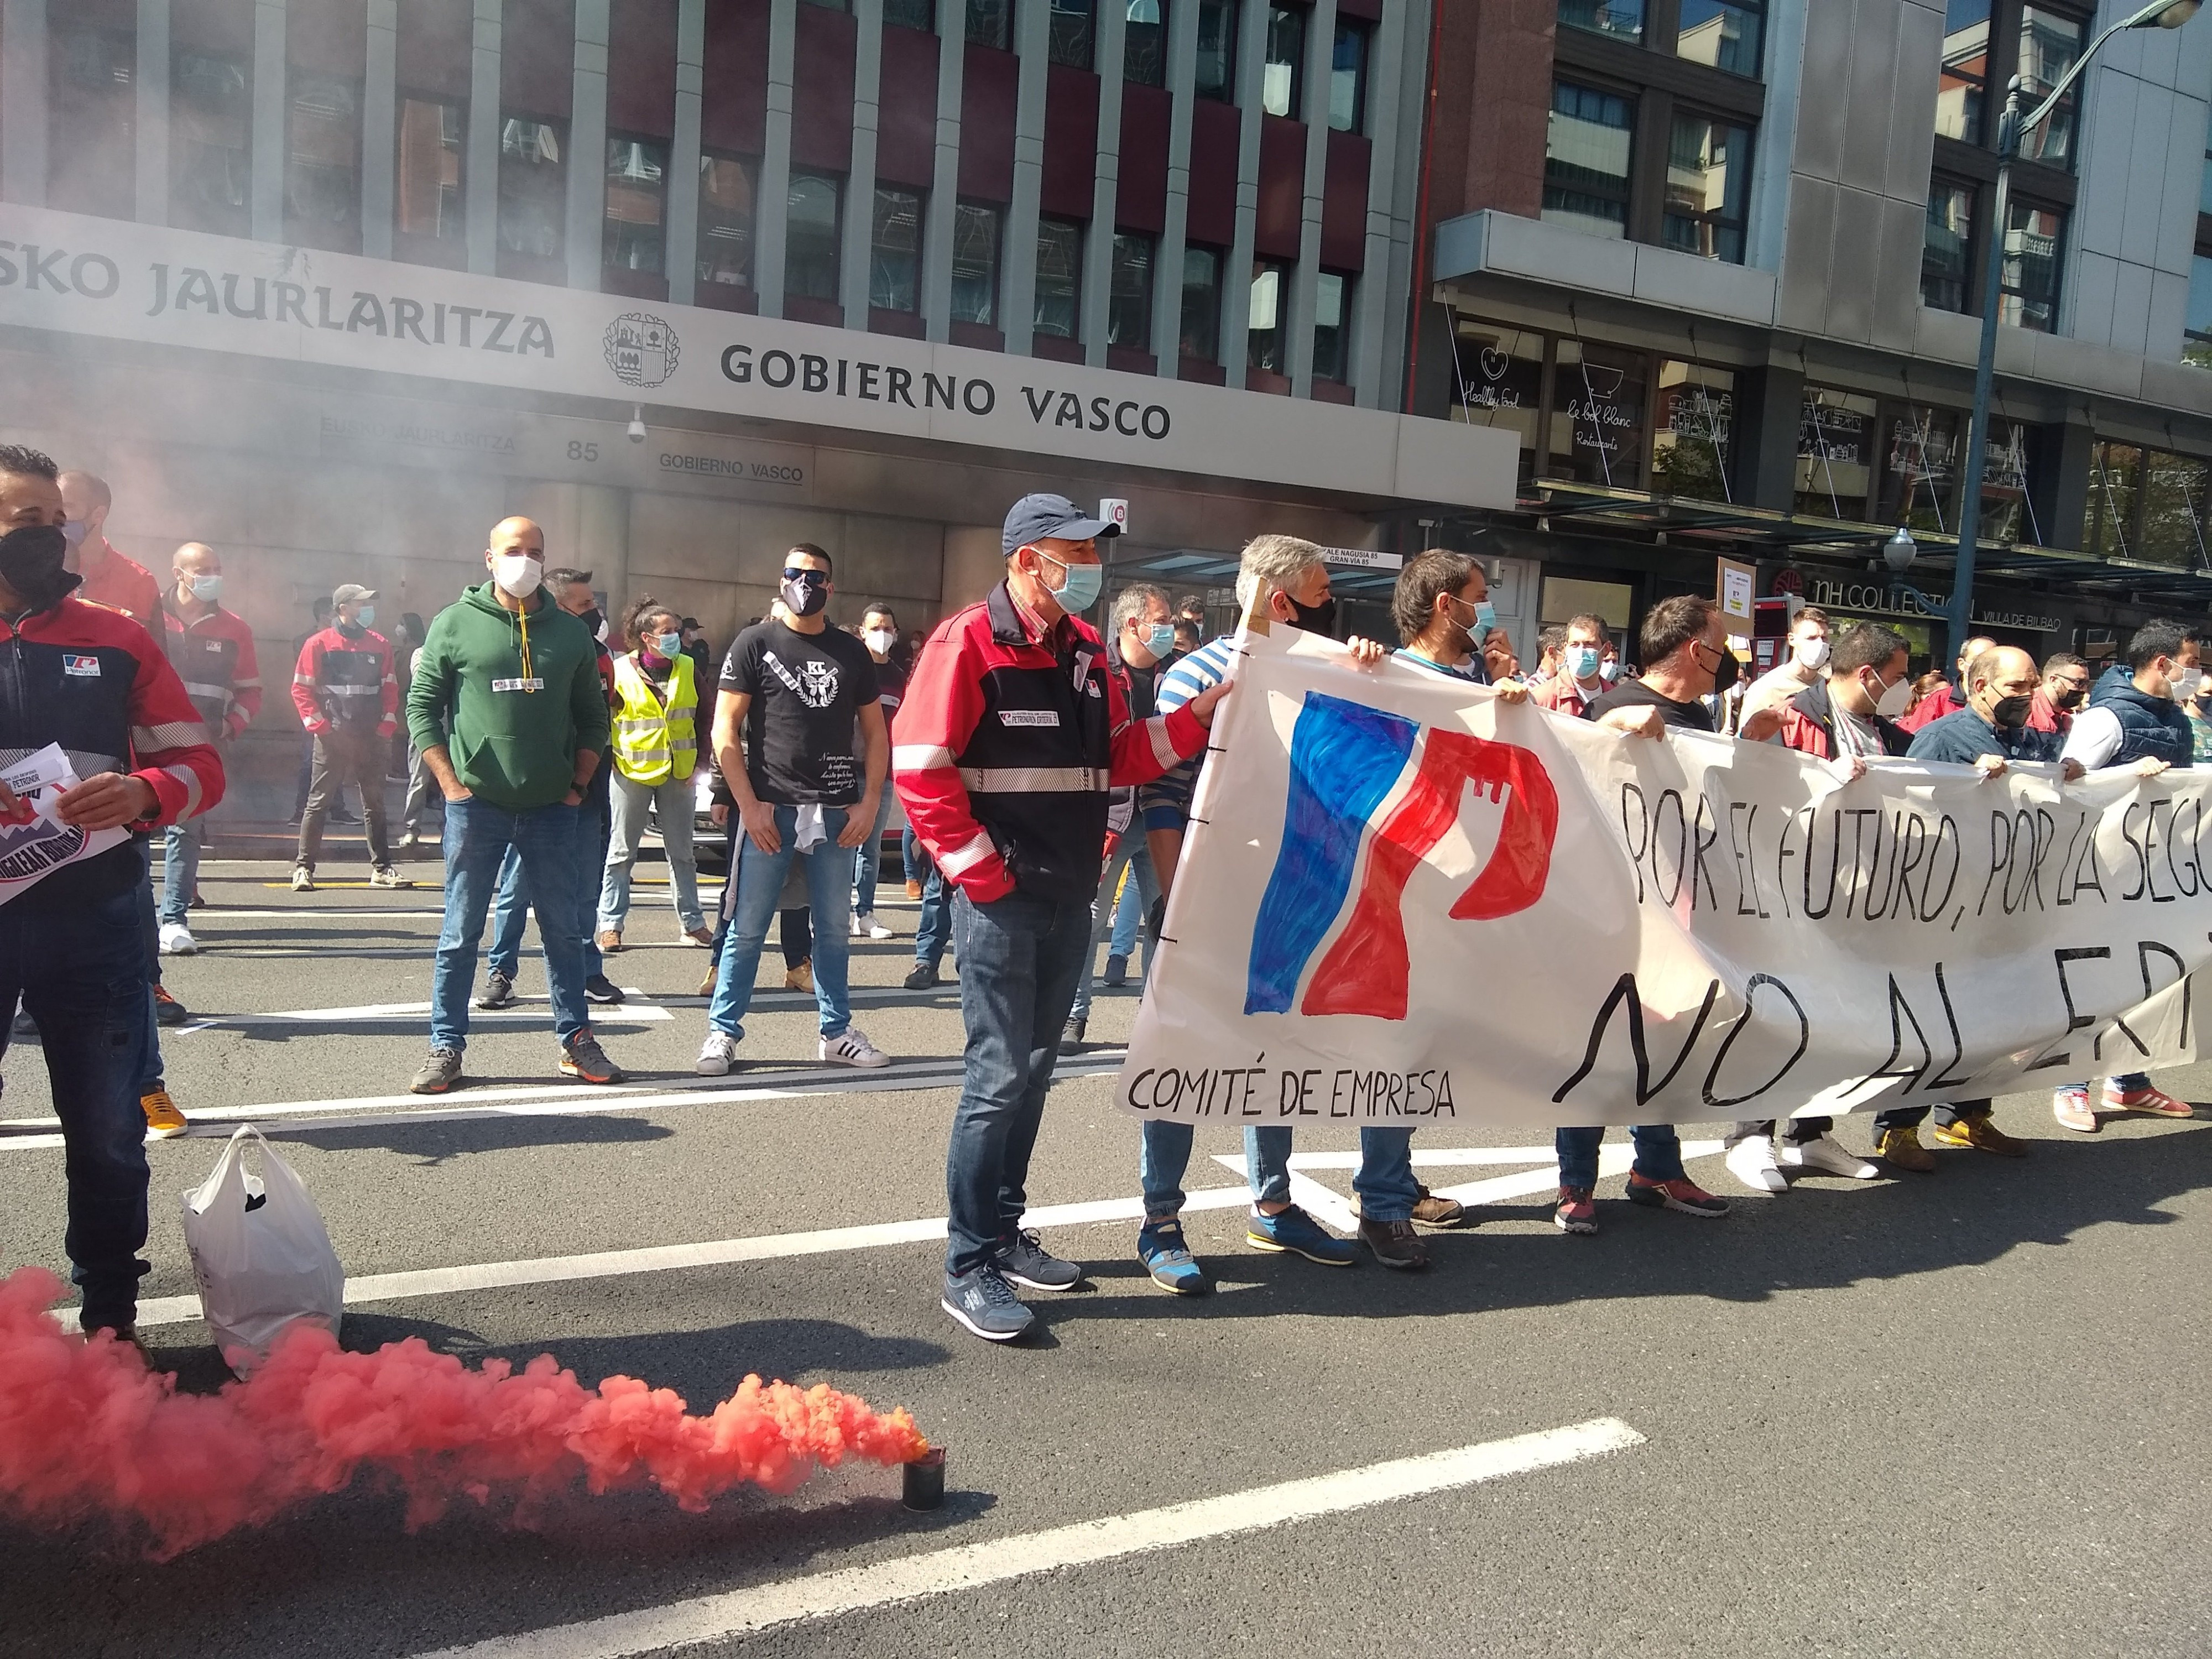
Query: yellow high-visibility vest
(655, 740)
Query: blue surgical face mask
(206, 589)
(1485, 617)
(668, 644)
(1160, 641)
(366, 616)
(1080, 591)
(1582, 661)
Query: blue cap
(1033, 518)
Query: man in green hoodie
(508, 714)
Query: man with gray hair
(1284, 578)
(1142, 639)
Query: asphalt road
(1953, 1414)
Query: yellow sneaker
(1978, 1133)
(162, 1117)
(1901, 1150)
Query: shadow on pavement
(434, 1143)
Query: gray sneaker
(982, 1301)
(1027, 1262)
(439, 1072)
(385, 876)
(499, 991)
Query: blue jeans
(759, 877)
(1128, 911)
(180, 870)
(1019, 957)
(478, 840)
(628, 805)
(1658, 1153)
(1384, 1183)
(511, 911)
(934, 931)
(1130, 855)
(913, 854)
(868, 858)
(83, 978)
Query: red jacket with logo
(1006, 746)
(215, 659)
(94, 681)
(346, 680)
(123, 585)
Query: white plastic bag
(260, 1253)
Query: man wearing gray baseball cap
(1011, 735)
(349, 699)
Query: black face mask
(2069, 699)
(32, 562)
(1724, 672)
(2011, 713)
(804, 599)
(594, 619)
(1314, 618)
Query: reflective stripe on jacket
(655, 740)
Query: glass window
(991, 23)
(829, 5)
(1144, 43)
(322, 162)
(2049, 42)
(1962, 92)
(727, 184)
(2197, 345)
(1835, 454)
(1347, 79)
(637, 206)
(895, 251)
(1332, 340)
(1059, 277)
(1283, 77)
(1600, 420)
(92, 119)
(1708, 182)
(1201, 304)
(1693, 431)
(1270, 316)
(2008, 509)
(427, 181)
(1586, 161)
(2204, 179)
(1501, 381)
(1129, 296)
(912, 15)
(1216, 73)
(2034, 239)
(1621, 19)
(2173, 511)
(1069, 37)
(1946, 246)
(210, 145)
(533, 208)
(1920, 473)
(1726, 33)
(810, 237)
(975, 264)
(2108, 525)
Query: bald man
(111, 580)
(212, 650)
(509, 714)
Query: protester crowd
(1045, 771)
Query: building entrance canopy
(84, 275)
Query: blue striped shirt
(1165, 802)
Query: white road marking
(996, 1561)
(664, 1258)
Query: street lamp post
(2011, 129)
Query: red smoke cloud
(86, 1430)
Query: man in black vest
(2136, 717)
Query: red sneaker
(2157, 1102)
(1679, 1194)
(1578, 1211)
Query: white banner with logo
(142, 282)
(1401, 901)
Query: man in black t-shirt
(807, 783)
(1685, 643)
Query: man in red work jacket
(348, 699)
(110, 578)
(212, 649)
(1011, 735)
(71, 950)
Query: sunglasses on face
(812, 578)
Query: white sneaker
(1825, 1155)
(1751, 1161)
(177, 940)
(851, 1047)
(876, 929)
(717, 1054)
(303, 879)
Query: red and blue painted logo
(1347, 763)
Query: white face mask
(2186, 682)
(1609, 669)
(518, 575)
(1813, 654)
(879, 640)
(1895, 699)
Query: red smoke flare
(86, 1430)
